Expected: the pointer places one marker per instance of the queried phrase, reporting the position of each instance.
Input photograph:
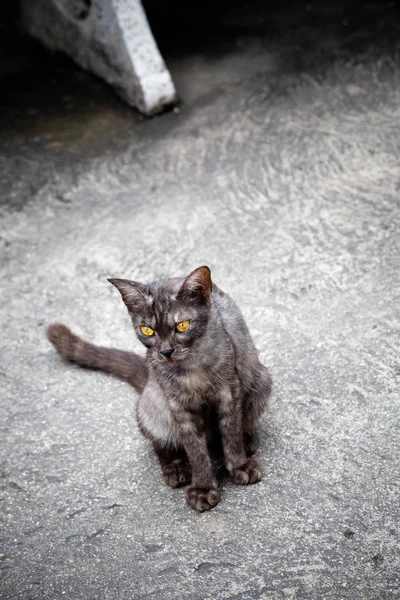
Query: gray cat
(201, 379)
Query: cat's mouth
(171, 361)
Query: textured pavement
(281, 171)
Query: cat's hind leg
(175, 465)
(251, 442)
(255, 403)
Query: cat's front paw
(248, 473)
(177, 473)
(202, 499)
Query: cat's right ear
(132, 292)
(197, 283)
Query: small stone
(348, 534)
(378, 559)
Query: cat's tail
(126, 365)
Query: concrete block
(110, 38)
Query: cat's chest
(202, 384)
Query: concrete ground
(280, 170)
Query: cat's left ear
(132, 292)
(198, 282)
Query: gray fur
(212, 386)
(216, 364)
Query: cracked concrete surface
(281, 171)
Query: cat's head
(169, 316)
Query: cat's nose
(167, 352)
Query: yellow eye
(147, 330)
(183, 326)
